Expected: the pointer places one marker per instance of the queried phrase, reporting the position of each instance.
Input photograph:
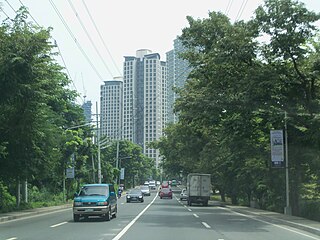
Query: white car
(145, 190)
(183, 195)
(152, 185)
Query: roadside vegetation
(245, 76)
(39, 139)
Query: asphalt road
(154, 219)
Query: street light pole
(98, 142)
(287, 209)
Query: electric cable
(89, 37)
(100, 36)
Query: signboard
(277, 148)
(122, 173)
(70, 172)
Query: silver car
(183, 194)
(145, 190)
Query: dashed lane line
(206, 224)
(195, 215)
(59, 224)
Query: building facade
(145, 100)
(86, 106)
(111, 109)
(178, 72)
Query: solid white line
(59, 224)
(196, 215)
(13, 238)
(275, 225)
(120, 234)
(206, 224)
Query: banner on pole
(122, 173)
(277, 148)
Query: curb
(4, 217)
(280, 220)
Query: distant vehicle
(146, 183)
(145, 190)
(183, 194)
(165, 193)
(152, 185)
(198, 188)
(173, 183)
(165, 184)
(135, 195)
(158, 183)
(95, 200)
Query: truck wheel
(76, 217)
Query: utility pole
(98, 142)
(287, 209)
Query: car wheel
(142, 200)
(115, 212)
(76, 217)
(128, 201)
(108, 216)
(160, 197)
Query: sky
(125, 26)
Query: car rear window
(94, 191)
(165, 190)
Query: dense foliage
(245, 76)
(42, 131)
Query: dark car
(135, 195)
(95, 200)
(165, 193)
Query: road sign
(70, 172)
(277, 148)
(122, 173)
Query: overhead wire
(241, 9)
(89, 37)
(228, 7)
(55, 42)
(75, 39)
(100, 36)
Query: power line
(228, 7)
(241, 9)
(100, 36)
(75, 39)
(89, 37)
(55, 42)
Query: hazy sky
(125, 26)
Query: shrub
(7, 201)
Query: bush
(310, 209)
(7, 201)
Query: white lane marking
(59, 224)
(189, 210)
(13, 238)
(120, 234)
(196, 215)
(122, 203)
(272, 224)
(206, 224)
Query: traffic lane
(60, 225)
(238, 226)
(166, 219)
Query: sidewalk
(278, 218)
(31, 212)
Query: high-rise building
(145, 100)
(178, 71)
(111, 108)
(86, 106)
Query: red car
(165, 193)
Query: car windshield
(144, 188)
(94, 191)
(165, 190)
(135, 191)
